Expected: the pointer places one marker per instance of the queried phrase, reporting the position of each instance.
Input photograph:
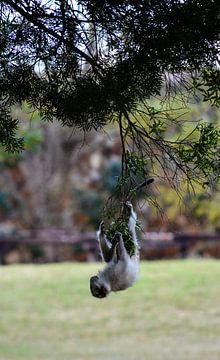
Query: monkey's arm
(107, 248)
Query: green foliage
(135, 171)
(208, 84)
(89, 63)
(27, 135)
(204, 153)
(121, 225)
(115, 212)
(157, 127)
(135, 164)
(127, 187)
(8, 129)
(84, 62)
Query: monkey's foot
(117, 236)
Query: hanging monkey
(121, 270)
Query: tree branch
(34, 20)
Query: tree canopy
(88, 63)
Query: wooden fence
(52, 244)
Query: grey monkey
(121, 270)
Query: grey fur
(121, 270)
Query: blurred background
(52, 197)
(84, 62)
(51, 203)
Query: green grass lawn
(172, 313)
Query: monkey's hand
(102, 227)
(129, 206)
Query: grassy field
(172, 313)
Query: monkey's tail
(138, 187)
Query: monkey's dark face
(97, 288)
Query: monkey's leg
(132, 220)
(107, 249)
(120, 250)
(132, 226)
(132, 217)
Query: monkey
(121, 270)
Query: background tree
(73, 182)
(88, 63)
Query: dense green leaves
(208, 84)
(88, 63)
(121, 225)
(203, 154)
(8, 128)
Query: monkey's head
(98, 287)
